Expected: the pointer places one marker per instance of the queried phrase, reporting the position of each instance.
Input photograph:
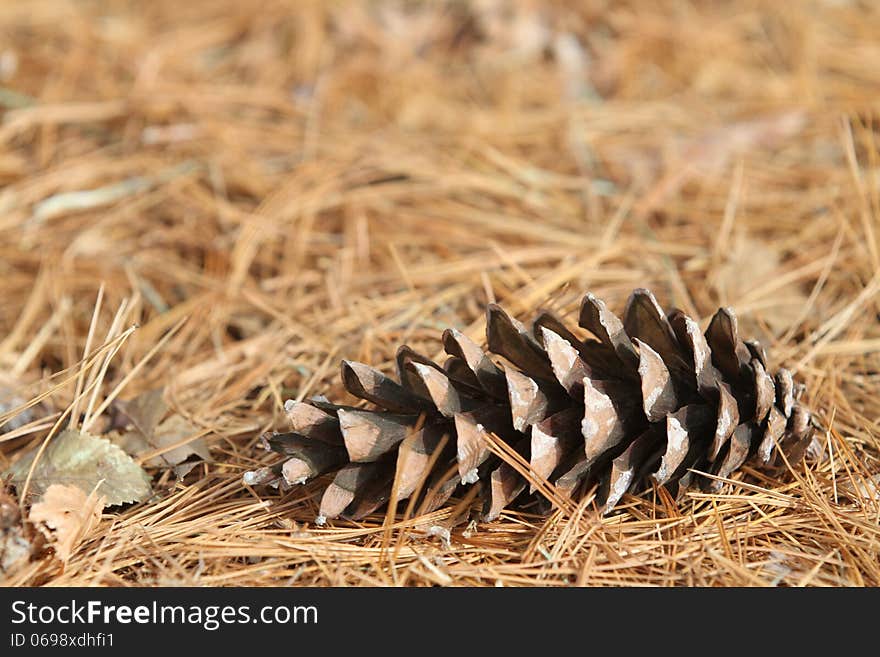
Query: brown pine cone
(648, 399)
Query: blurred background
(298, 182)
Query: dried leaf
(145, 412)
(132, 442)
(65, 515)
(171, 432)
(85, 461)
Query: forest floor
(220, 200)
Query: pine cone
(647, 400)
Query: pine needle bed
(263, 193)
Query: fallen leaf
(132, 442)
(87, 462)
(16, 544)
(145, 412)
(172, 431)
(65, 515)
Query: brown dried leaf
(132, 442)
(172, 431)
(85, 461)
(65, 514)
(145, 412)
